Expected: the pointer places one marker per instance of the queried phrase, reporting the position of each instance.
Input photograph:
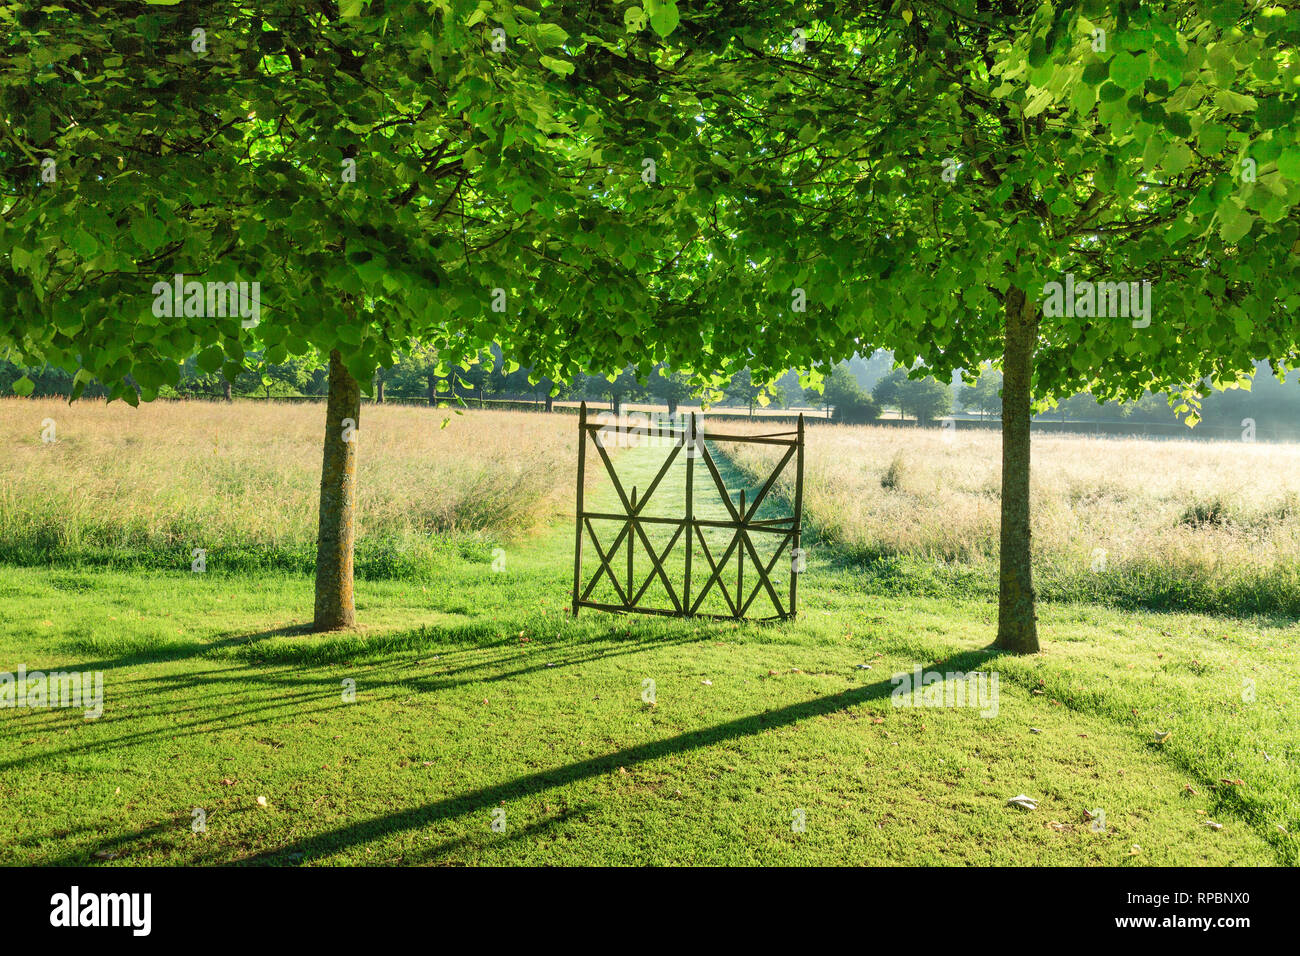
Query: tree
(986, 394)
(618, 389)
(473, 376)
(391, 175)
(926, 398)
(291, 376)
(815, 396)
(672, 388)
(417, 371)
(943, 174)
(888, 390)
(851, 403)
(743, 391)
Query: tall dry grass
(1166, 523)
(243, 479)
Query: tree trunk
(1017, 630)
(549, 401)
(433, 392)
(672, 408)
(379, 388)
(225, 387)
(338, 502)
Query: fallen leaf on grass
(1023, 802)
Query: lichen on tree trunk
(1017, 627)
(335, 607)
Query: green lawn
(476, 692)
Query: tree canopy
(714, 185)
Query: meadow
(143, 488)
(1186, 525)
(485, 725)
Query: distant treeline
(861, 390)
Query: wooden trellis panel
(742, 522)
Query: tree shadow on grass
(483, 799)
(180, 650)
(298, 694)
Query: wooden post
(577, 524)
(798, 515)
(689, 436)
(630, 536)
(740, 557)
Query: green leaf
(24, 386)
(1236, 222)
(549, 35)
(1177, 124)
(562, 67)
(1176, 159)
(1111, 92)
(1095, 72)
(1231, 102)
(149, 232)
(1130, 70)
(1212, 138)
(83, 244)
(663, 16)
(1288, 164)
(210, 359)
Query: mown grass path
(479, 700)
